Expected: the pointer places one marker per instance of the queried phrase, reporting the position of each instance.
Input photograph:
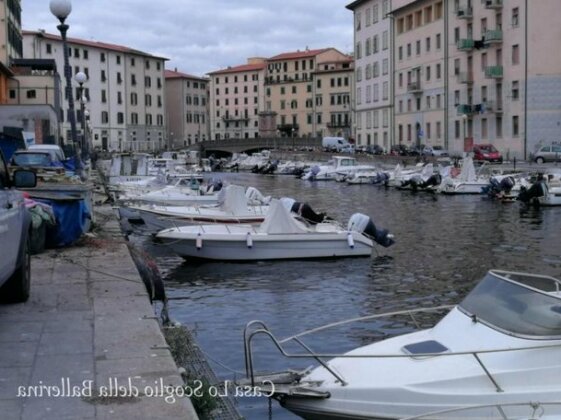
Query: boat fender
(350, 240)
(249, 240)
(199, 241)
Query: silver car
(14, 235)
(550, 153)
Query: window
(483, 61)
(438, 71)
(438, 129)
(134, 118)
(484, 134)
(102, 57)
(133, 62)
(418, 47)
(103, 96)
(385, 66)
(515, 90)
(385, 40)
(375, 13)
(104, 117)
(31, 94)
(147, 65)
(120, 118)
(385, 90)
(427, 44)
(515, 126)
(358, 19)
(133, 79)
(438, 41)
(515, 54)
(134, 98)
(12, 94)
(499, 125)
(427, 73)
(119, 98)
(49, 48)
(400, 53)
(408, 50)
(147, 81)
(515, 17)
(118, 59)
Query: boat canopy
(279, 220)
(517, 304)
(232, 199)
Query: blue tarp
(71, 218)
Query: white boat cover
(279, 220)
(468, 170)
(233, 200)
(288, 202)
(358, 222)
(427, 171)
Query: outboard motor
(537, 190)
(255, 169)
(433, 181)
(381, 178)
(362, 223)
(214, 185)
(414, 182)
(314, 171)
(298, 172)
(503, 186)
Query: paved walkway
(88, 330)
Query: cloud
(200, 36)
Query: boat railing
(259, 328)
(536, 410)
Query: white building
(125, 91)
(373, 72)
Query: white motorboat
(362, 177)
(496, 355)
(338, 165)
(544, 192)
(467, 182)
(280, 236)
(232, 207)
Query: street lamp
(81, 78)
(293, 131)
(464, 120)
(61, 9)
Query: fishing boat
(496, 355)
(280, 236)
(232, 207)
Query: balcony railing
(494, 72)
(493, 37)
(414, 87)
(493, 4)
(465, 77)
(464, 109)
(465, 44)
(338, 124)
(464, 12)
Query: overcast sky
(200, 36)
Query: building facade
(187, 106)
(236, 100)
(124, 95)
(11, 46)
(420, 73)
(373, 72)
(309, 92)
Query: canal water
(444, 244)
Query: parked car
(375, 149)
(399, 149)
(435, 151)
(486, 153)
(56, 151)
(15, 224)
(548, 154)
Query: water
(444, 245)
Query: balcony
(464, 109)
(465, 44)
(493, 4)
(414, 87)
(494, 72)
(487, 106)
(464, 12)
(338, 124)
(493, 37)
(465, 77)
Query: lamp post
(61, 9)
(293, 132)
(464, 122)
(81, 78)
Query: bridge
(255, 144)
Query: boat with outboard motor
(338, 165)
(496, 355)
(233, 207)
(280, 236)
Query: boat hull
(278, 248)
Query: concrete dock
(87, 329)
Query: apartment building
(187, 107)
(124, 94)
(10, 42)
(373, 72)
(420, 73)
(309, 92)
(236, 100)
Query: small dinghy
(280, 236)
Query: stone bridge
(255, 144)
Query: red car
(486, 153)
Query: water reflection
(444, 245)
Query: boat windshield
(516, 303)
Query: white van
(335, 144)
